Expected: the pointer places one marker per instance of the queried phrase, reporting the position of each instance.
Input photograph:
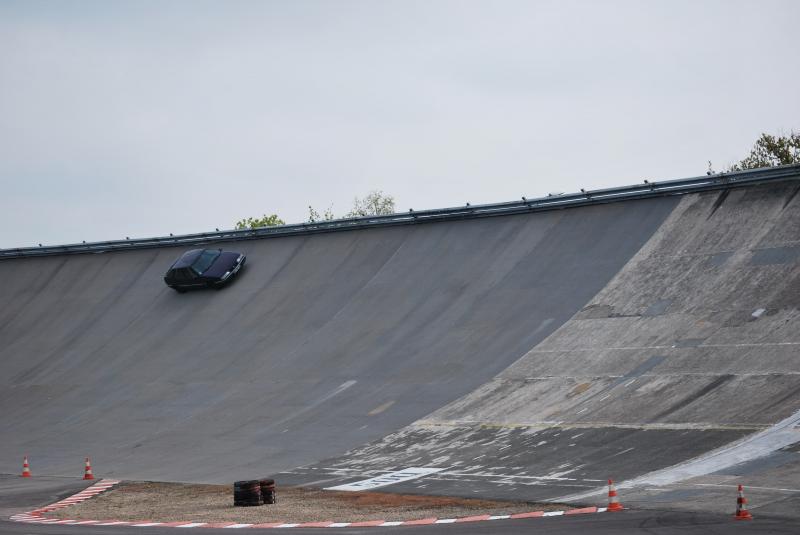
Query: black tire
(268, 495)
(247, 493)
(179, 290)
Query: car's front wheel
(179, 290)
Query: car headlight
(226, 275)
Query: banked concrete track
(324, 343)
(529, 355)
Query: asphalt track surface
(633, 522)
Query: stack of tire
(247, 493)
(267, 491)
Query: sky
(144, 118)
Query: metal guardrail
(553, 202)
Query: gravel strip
(173, 502)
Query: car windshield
(204, 261)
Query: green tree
(374, 203)
(271, 220)
(769, 151)
(315, 217)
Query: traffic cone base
(741, 511)
(26, 470)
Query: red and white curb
(85, 494)
(37, 517)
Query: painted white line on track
(553, 513)
(507, 476)
(287, 525)
(445, 521)
(236, 526)
(192, 525)
(499, 517)
(147, 524)
(339, 525)
(389, 524)
(384, 480)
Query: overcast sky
(144, 118)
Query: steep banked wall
(325, 342)
(692, 345)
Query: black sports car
(203, 268)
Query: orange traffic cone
(613, 500)
(26, 470)
(88, 474)
(741, 511)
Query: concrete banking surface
(324, 343)
(690, 348)
(527, 356)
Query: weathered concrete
(691, 346)
(514, 462)
(325, 342)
